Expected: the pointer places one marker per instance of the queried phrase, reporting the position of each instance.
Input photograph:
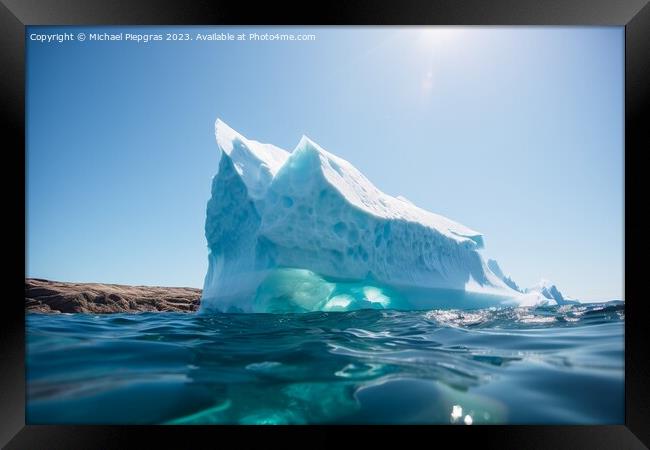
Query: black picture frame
(633, 14)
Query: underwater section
(291, 290)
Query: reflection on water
(510, 365)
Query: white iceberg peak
(256, 163)
(306, 141)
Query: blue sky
(514, 132)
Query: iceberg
(307, 231)
(543, 293)
(548, 290)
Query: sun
(438, 38)
(431, 44)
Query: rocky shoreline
(46, 296)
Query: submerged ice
(306, 231)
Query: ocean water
(544, 365)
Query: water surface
(544, 365)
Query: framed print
(373, 218)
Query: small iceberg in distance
(550, 291)
(544, 292)
(307, 231)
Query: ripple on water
(496, 365)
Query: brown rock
(45, 296)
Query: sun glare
(438, 37)
(431, 43)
